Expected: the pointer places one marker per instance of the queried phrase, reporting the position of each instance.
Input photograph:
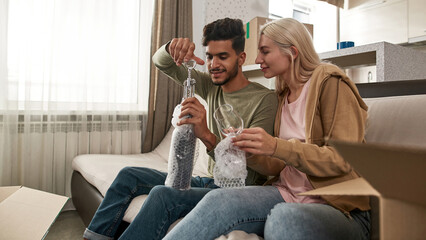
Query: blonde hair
(288, 32)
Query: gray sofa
(397, 115)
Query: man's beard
(232, 74)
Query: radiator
(37, 150)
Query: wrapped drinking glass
(230, 169)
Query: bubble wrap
(230, 169)
(183, 151)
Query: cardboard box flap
(356, 187)
(395, 172)
(7, 191)
(28, 213)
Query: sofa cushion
(100, 170)
(399, 120)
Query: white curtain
(73, 80)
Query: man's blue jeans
(262, 210)
(163, 206)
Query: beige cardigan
(334, 111)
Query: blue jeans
(315, 221)
(249, 209)
(162, 207)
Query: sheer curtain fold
(172, 19)
(72, 74)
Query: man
(224, 83)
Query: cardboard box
(395, 178)
(252, 29)
(27, 213)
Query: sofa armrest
(85, 197)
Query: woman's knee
(282, 218)
(216, 195)
(291, 220)
(221, 200)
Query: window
(301, 13)
(298, 10)
(79, 54)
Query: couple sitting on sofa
(316, 103)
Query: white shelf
(393, 62)
(253, 67)
(254, 74)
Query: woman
(318, 103)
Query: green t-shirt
(256, 104)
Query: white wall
(324, 19)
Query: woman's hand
(256, 141)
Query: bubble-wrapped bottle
(183, 145)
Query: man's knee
(163, 194)
(134, 172)
(125, 172)
(126, 178)
(161, 190)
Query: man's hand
(191, 106)
(182, 50)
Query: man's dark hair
(225, 29)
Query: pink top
(293, 181)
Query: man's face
(222, 61)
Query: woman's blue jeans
(162, 207)
(262, 210)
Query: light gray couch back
(398, 120)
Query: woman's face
(272, 61)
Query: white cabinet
(375, 21)
(416, 20)
(394, 21)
